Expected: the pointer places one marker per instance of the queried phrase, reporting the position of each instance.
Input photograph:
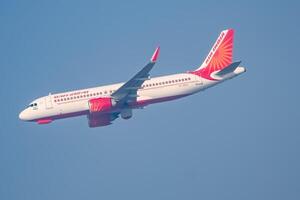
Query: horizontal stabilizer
(228, 69)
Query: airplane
(104, 104)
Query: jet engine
(101, 104)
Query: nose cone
(24, 115)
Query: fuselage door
(48, 101)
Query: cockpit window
(32, 105)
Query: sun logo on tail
(219, 57)
(223, 55)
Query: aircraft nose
(23, 115)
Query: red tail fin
(219, 57)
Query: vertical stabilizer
(219, 57)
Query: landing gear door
(48, 101)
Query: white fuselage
(154, 90)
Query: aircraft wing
(128, 91)
(104, 119)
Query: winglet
(155, 55)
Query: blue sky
(238, 140)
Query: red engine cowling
(101, 104)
